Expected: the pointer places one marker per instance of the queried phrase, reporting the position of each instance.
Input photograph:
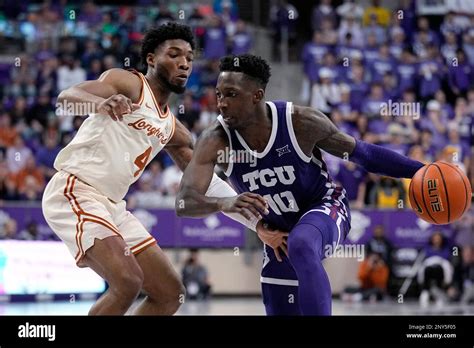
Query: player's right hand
(245, 204)
(273, 238)
(116, 106)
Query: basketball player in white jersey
(83, 203)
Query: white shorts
(79, 214)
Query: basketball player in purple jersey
(274, 149)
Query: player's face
(173, 63)
(236, 99)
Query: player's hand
(246, 204)
(116, 106)
(273, 238)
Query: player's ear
(150, 59)
(258, 95)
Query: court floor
(245, 306)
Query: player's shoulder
(306, 117)
(214, 136)
(120, 75)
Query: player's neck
(160, 92)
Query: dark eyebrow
(179, 49)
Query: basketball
(440, 193)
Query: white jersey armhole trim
(271, 141)
(230, 165)
(291, 132)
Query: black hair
(254, 67)
(168, 31)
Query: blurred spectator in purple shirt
(90, 14)
(241, 41)
(450, 25)
(373, 103)
(354, 179)
(406, 71)
(324, 11)
(359, 87)
(449, 48)
(426, 142)
(408, 22)
(46, 155)
(371, 49)
(424, 27)
(383, 64)
(460, 74)
(397, 42)
(430, 72)
(215, 39)
(313, 54)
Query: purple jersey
(283, 174)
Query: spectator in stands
(46, 155)
(373, 275)
(381, 14)
(350, 8)
(29, 181)
(8, 133)
(436, 271)
(18, 155)
(241, 41)
(8, 226)
(431, 73)
(321, 12)
(188, 114)
(354, 179)
(215, 39)
(381, 245)
(387, 193)
(8, 190)
(378, 30)
(70, 73)
(406, 70)
(326, 93)
(195, 277)
(171, 180)
(460, 73)
(30, 232)
(372, 104)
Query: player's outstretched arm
(202, 193)
(373, 158)
(112, 94)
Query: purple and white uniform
(299, 191)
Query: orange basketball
(440, 193)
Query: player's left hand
(273, 238)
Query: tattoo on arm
(316, 129)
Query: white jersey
(111, 155)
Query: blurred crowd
(56, 44)
(394, 78)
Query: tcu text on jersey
(279, 202)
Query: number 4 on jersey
(142, 160)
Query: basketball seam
(411, 190)
(465, 189)
(445, 190)
(423, 196)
